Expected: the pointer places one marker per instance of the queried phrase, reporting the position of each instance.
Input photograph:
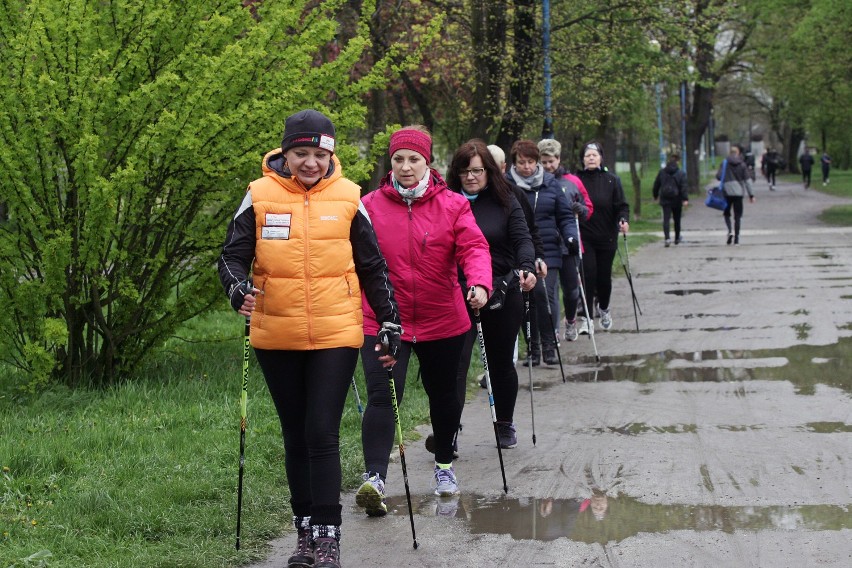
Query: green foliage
(805, 59)
(145, 473)
(128, 131)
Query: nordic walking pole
(481, 338)
(243, 406)
(401, 447)
(590, 320)
(626, 267)
(527, 332)
(357, 398)
(555, 335)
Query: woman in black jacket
(556, 224)
(474, 173)
(600, 233)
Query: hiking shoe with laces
(571, 331)
(446, 484)
(326, 552)
(303, 556)
(583, 327)
(606, 319)
(507, 435)
(371, 496)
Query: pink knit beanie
(411, 139)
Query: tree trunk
(633, 157)
(697, 119)
(524, 69)
(791, 149)
(488, 38)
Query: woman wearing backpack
(671, 191)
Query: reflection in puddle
(805, 366)
(603, 519)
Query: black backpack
(668, 186)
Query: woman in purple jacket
(426, 232)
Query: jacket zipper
(413, 277)
(307, 240)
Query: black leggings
(439, 363)
(737, 203)
(499, 331)
(309, 390)
(597, 276)
(544, 322)
(672, 211)
(570, 282)
(806, 177)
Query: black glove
(238, 292)
(573, 246)
(389, 338)
(578, 208)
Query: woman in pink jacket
(425, 231)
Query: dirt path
(718, 435)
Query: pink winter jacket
(424, 244)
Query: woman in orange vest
(311, 250)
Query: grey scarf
(534, 180)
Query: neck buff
(414, 192)
(534, 180)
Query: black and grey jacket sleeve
(238, 250)
(372, 268)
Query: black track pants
(309, 390)
(439, 362)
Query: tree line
(130, 129)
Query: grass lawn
(145, 473)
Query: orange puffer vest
(310, 295)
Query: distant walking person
(771, 160)
(304, 237)
(806, 160)
(825, 162)
(600, 234)
(736, 182)
(671, 191)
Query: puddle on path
(603, 519)
(805, 366)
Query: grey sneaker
(583, 328)
(571, 331)
(371, 496)
(507, 435)
(606, 319)
(446, 484)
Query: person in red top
(426, 232)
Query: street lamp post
(547, 130)
(659, 96)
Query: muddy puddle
(602, 519)
(805, 366)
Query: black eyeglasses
(475, 171)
